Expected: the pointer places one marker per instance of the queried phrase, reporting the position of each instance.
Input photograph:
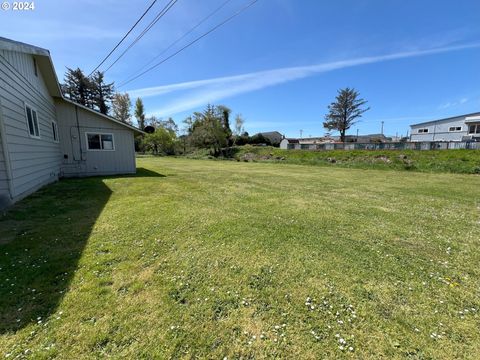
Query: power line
(191, 43)
(185, 34)
(147, 29)
(124, 37)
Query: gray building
(273, 136)
(44, 136)
(458, 128)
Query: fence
(434, 145)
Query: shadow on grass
(142, 172)
(41, 241)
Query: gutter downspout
(6, 155)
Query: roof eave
(131, 127)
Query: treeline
(213, 129)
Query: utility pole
(301, 133)
(382, 127)
(357, 135)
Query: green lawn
(214, 259)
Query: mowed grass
(210, 259)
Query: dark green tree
(224, 115)
(78, 87)
(102, 93)
(140, 113)
(344, 111)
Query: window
(455, 128)
(35, 71)
(474, 129)
(55, 131)
(32, 122)
(100, 142)
(422, 131)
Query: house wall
(284, 144)
(439, 131)
(77, 159)
(34, 162)
(4, 190)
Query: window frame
(55, 136)
(35, 67)
(455, 129)
(34, 120)
(100, 134)
(422, 131)
(476, 129)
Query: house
(289, 143)
(458, 128)
(304, 143)
(273, 136)
(44, 136)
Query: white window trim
(99, 133)
(455, 129)
(476, 127)
(423, 131)
(26, 121)
(56, 131)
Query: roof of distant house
(446, 119)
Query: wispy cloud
(451, 104)
(211, 90)
(54, 30)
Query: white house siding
(4, 191)
(34, 162)
(439, 130)
(77, 160)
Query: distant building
(273, 136)
(304, 143)
(312, 142)
(370, 138)
(458, 128)
(288, 143)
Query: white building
(44, 136)
(458, 128)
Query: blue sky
(280, 62)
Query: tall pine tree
(78, 87)
(102, 93)
(91, 92)
(140, 113)
(344, 111)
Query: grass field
(215, 259)
(450, 161)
